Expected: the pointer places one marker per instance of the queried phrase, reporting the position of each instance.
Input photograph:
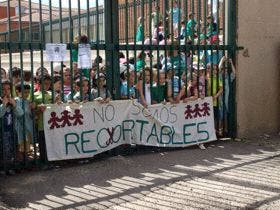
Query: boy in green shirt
(42, 97)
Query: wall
(258, 77)
(4, 12)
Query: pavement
(229, 174)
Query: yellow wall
(258, 77)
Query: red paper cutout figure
(205, 109)
(53, 121)
(188, 112)
(197, 111)
(65, 118)
(77, 117)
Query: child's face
(3, 74)
(215, 69)
(85, 87)
(25, 93)
(131, 77)
(16, 79)
(57, 86)
(6, 90)
(46, 85)
(169, 74)
(162, 78)
(147, 76)
(102, 82)
(203, 41)
(67, 77)
(202, 72)
(75, 68)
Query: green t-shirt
(74, 55)
(178, 64)
(140, 64)
(140, 33)
(212, 29)
(214, 81)
(190, 28)
(38, 99)
(159, 93)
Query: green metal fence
(180, 49)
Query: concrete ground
(227, 175)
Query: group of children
(181, 76)
(174, 78)
(23, 101)
(182, 28)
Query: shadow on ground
(228, 174)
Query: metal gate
(179, 43)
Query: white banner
(80, 131)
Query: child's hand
(174, 101)
(59, 102)
(5, 100)
(42, 108)
(145, 105)
(12, 102)
(186, 100)
(58, 99)
(214, 98)
(32, 105)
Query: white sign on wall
(84, 57)
(56, 52)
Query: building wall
(4, 12)
(258, 78)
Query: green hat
(202, 36)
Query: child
(82, 85)
(127, 85)
(101, 91)
(42, 97)
(66, 80)
(228, 79)
(173, 83)
(156, 17)
(140, 30)
(140, 62)
(191, 28)
(3, 74)
(183, 30)
(16, 77)
(189, 92)
(57, 88)
(212, 28)
(8, 108)
(39, 71)
(144, 87)
(175, 13)
(176, 59)
(214, 89)
(159, 89)
(24, 123)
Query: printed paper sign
(56, 52)
(80, 131)
(84, 56)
